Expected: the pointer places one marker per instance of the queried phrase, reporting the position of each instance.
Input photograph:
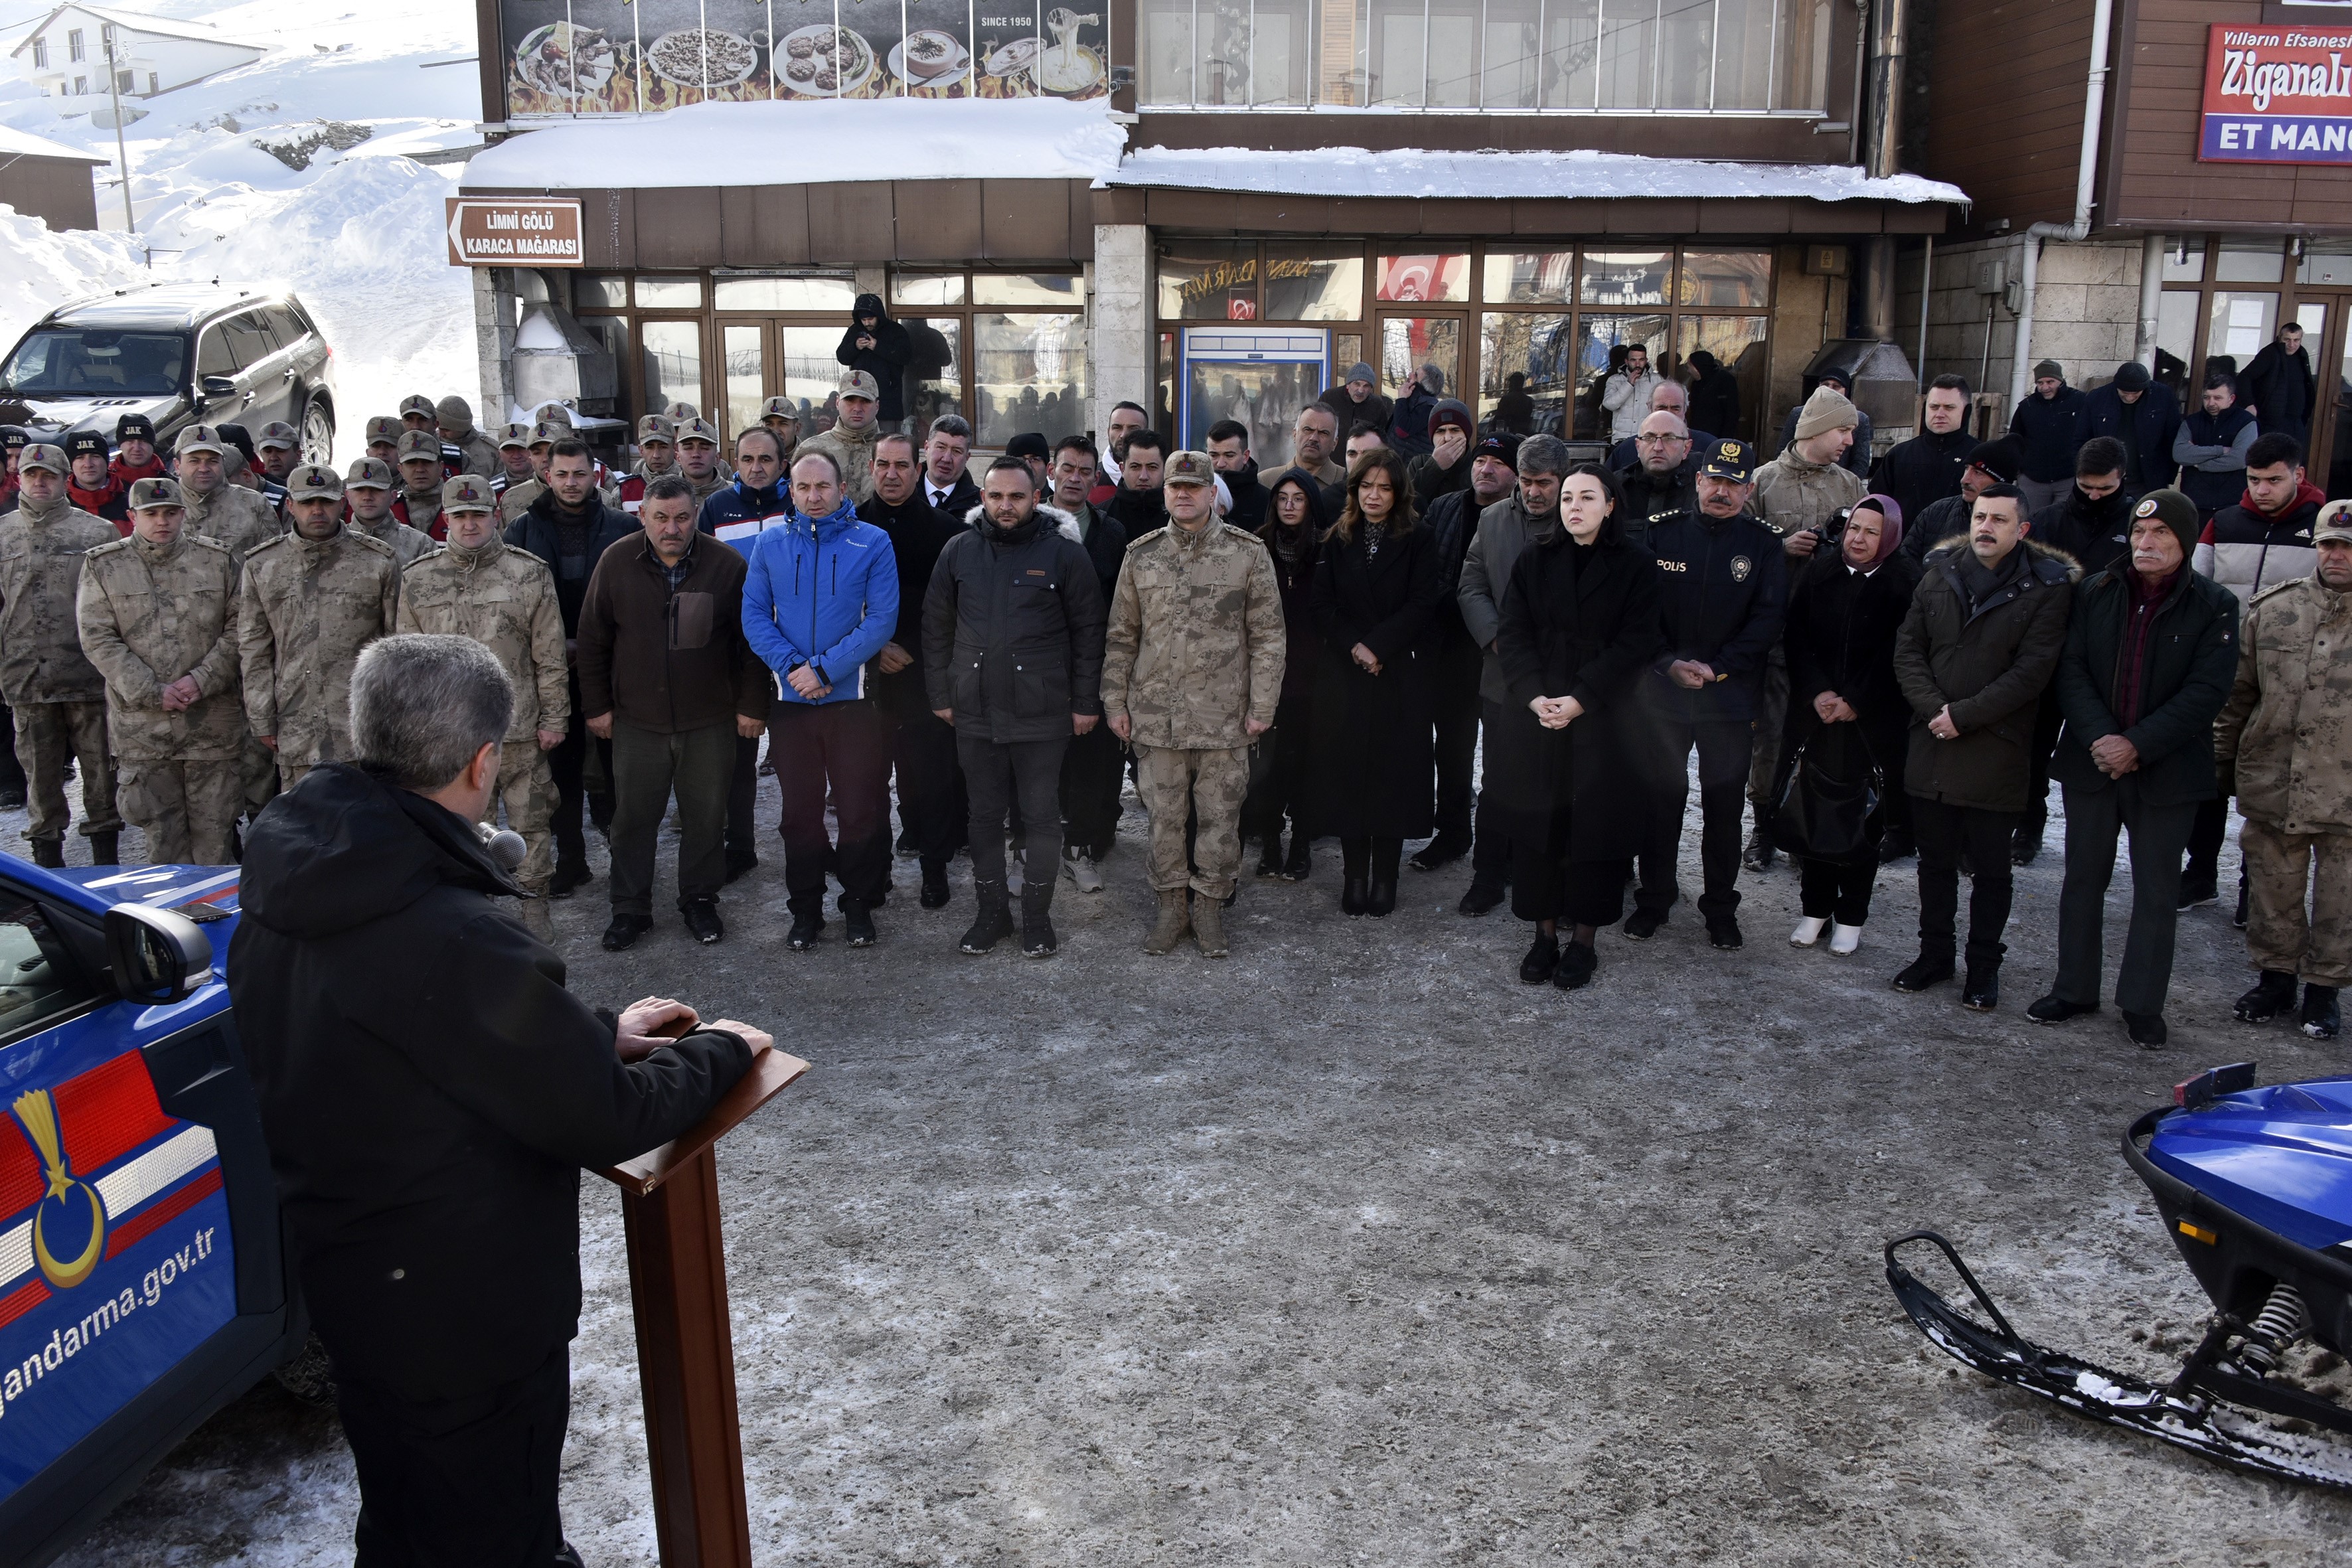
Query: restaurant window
(671, 366)
(826, 296)
(1007, 351)
(1588, 55)
(672, 292)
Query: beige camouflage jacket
(305, 610)
(1792, 493)
(854, 452)
(2288, 722)
(233, 516)
(503, 598)
(1195, 645)
(481, 455)
(41, 550)
(151, 614)
(406, 542)
(515, 499)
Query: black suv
(180, 353)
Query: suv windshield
(87, 362)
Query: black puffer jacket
(886, 362)
(2097, 533)
(429, 1116)
(1012, 631)
(541, 532)
(2049, 431)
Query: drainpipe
(2151, 295)
(2086, 168)
(1882, 159)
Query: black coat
(1841, 639)
(886, 362)
(538, 531)
(1453, 519)
(2192, 659)
(1651, 500)
(2280, 387)
(1723, 596)
(2049, 431)
(1376, 410)
(1012, 632)
(2145, 429)
(1921, 471)
(1942, 521)
(429, 1089)
(1303, 649)
(961, 496)
(1715, 400)
(1581, 624)
(2097, 533)
(1373, 752)
(1249, 497)
(917, 533)
(1989, 664)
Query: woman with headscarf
(1847, 715)
(1294, 528)
(1580, 626)
(1378, 583)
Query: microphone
(505, 844)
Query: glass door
(2330, 463)
(768, 357)
(1410, 343)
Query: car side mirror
(218, 386)
(157, 955)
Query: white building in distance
(65, 56)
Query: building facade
(1209, 209)
(66, 55)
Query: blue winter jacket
(822, 592)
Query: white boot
(1844, 938)
(1807, 931)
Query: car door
(141, 1276)
(220, 398)
(261, 369)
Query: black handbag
(1824, 817)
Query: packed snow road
(1352, 1248)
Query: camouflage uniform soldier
(311, 600)
(57, 699)
(476, 453)
(515, 499)
(383, 434)
(504, 598)
(367, 489)
(419, 502)
(158, 615)
(850, 442)
(1191, 671)
(2285, 737)
(228, 514)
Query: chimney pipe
(1883, 150)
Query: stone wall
(1121, 319)
(2086, 313)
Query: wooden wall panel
(850, 223)
(1025, 220)
(681, 227)
(938, 220)
(2005, 104)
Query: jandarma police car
(142, 1279)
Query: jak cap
(83, 443)
(514, 436)
(200, 438)
(417, 444)
(368, 474)
(136, 425)
(314, 481)
(2334, 525)
(858, 383)
(780, 409)
(41, 454)
(695, 429)
(277, 433)
(13, 439)
(384, 427)
(454, 410)
(468, 493)
(155, 493)
(417, 403)
(1732, 461)
(653, 427)
(1188, 469)
(1500, 444)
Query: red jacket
(125, 475)
(111, 503)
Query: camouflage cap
(514, 436)
(314, 481)
(547, 432)
(277, 433)
(416, 445)
(653, 427)
(41, 454)
(384, 427)
(155, 493)
(368, 474)
(1732, 461)
(468, 493)
(199, 438)
(417, 403)
(1188, 469)
(454, 410)
(84, 444)
(697, 430)
(2334, 523)
(556, 414)
(857, 383)
(780, 409)
(679, 413)
(134, 425)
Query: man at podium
(431, 1092)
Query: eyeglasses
(1658, 440)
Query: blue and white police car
(143, 1280)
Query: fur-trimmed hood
(2049, 553)
(1063, 523)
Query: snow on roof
(844, 140)
(17, 144)
(129, 22)
(1357, 171)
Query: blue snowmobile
(2255, 1187)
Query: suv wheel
(317, 434)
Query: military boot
(1037, 939)
(1209, 927)
(994, 923)
(50, 852)
(106, 848)
(1171, 925)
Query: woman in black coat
(1377, 588)
(1580, 626)
(1847, 716)
(1293, 531)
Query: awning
(1408, 173)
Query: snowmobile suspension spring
(2278, 1324)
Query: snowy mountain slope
(357, 234)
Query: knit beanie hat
(1360, 371)
(2176, 511)
(1826, 409)
(1450, 411)
(2050, 368)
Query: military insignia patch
(1740, 567)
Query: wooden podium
(686, 1352)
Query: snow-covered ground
(357, 234)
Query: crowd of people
(1872, 660)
